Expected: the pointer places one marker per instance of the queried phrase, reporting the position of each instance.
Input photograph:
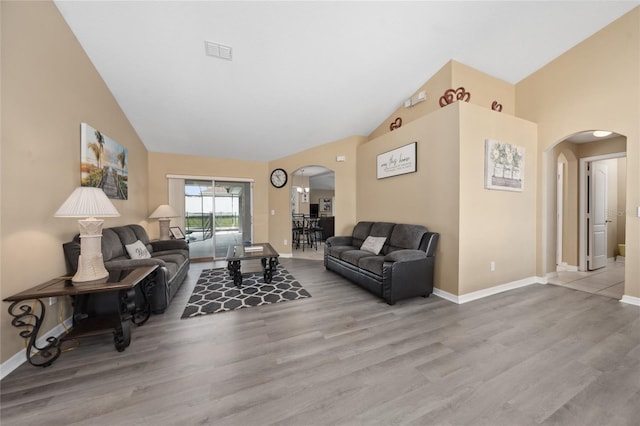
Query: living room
(50, 86)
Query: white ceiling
(304, 73)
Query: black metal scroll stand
(146, 287)
(268, 268)
(234, 268)
(37, 356)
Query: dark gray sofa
(172, 257)
(403, 269)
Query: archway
(312, 203)
(568, 227)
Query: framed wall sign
(397, 162)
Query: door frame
(583, 199)
(213, 179)
(559, 212)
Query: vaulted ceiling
(303, 74)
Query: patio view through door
(217, 214)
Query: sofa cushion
(137, 250)
(372, 264)
(373, 244)
(354, 256)
(129, 234)
(360, 233)
(336, 251)
(405, 237)
(382, 229)
(111, 245)
(176, 258)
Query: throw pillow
(373, 244)
(137, 250)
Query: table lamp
(164, 213)
(91, 203)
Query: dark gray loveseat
(172, 256)
(402, 269)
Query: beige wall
(498, 226)
(574, 93)
(484, 90)
(318, 195)
(161, 165)
(428, 197)
(49, 87)
(345, 187)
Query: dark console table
(101, 306)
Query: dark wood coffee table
(106, 305)
(263, 251)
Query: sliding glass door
(217, 214)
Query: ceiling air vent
(217, 50)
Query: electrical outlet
(492, 266)
(285, 242)
(53, 300)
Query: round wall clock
(278, 178)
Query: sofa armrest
(405, 255)
(132, 263)
(338, 241)
(164, 245)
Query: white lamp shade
(87, 201)
(163, 211)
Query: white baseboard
(18, 359)
(464, 298)
(630, 300)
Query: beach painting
(103, 163)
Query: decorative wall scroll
(452, 95)
(396, 124)
(504, 166)
(496, 106)
(397, 161)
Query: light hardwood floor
(541, 354)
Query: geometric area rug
(215, 292)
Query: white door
(597, 256)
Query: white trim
(19, 358)
(218, 178)
(469, 297)
(445, 295)
(630, 300)
(559, 211)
